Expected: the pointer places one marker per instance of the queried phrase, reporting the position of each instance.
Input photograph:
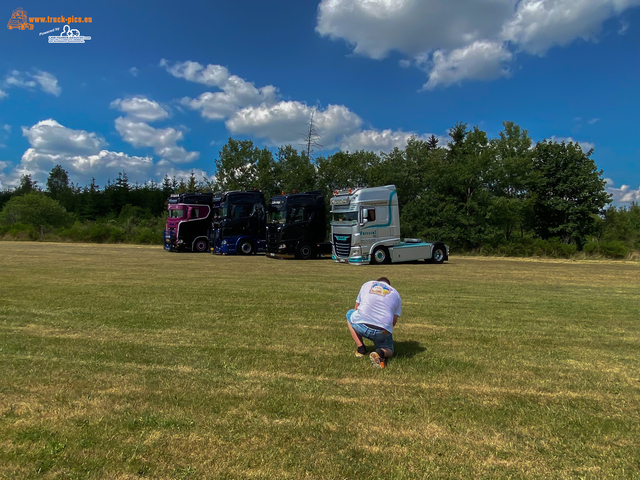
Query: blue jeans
(380, 338)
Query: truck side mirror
(365, 215)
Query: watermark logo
(68, 35)
(19, 20)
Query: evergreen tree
(192, 183)
(58, 182)
(27, 185)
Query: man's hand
(395, 320)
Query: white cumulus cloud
(286, 122)
(624, 194)
(259, 113)
(465, 39)
(377, 27)
(49, 136)
(481, 60)
(162, 140)
(235, 92)
(48, 83)
(141, 108)
(382, 140)
(81, 153)
(538, 25)
(102, 161)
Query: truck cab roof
(314, 197)
(191, 198)
(363, 195)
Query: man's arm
(356, 307)
(395, 320)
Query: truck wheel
(380, 256)
(437, 256)
(201, 246)
(246, 247)
(305, 252)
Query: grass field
(123, 362)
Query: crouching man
(377, 310)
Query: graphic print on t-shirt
(380, 289)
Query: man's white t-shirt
(378, 302)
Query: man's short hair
(384, 279)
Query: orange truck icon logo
(19, 20)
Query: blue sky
(161, 86)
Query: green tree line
(503, 195)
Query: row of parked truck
(364, 226)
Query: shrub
(148, 236)
(36, 210)
(614, 249)
(19, 231)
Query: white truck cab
(365, 228)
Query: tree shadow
(407, 349)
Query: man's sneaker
(361, 352)
(377, 360)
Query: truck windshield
(176, 213)
(277, 214)
(345, 217)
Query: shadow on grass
(407, 349)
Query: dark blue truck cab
(239, 223)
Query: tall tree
(58, 182)
(468, 176)
(311, 137)
(27, 185)
(92, 204)
(192, 183)
(347, 169)
(511, 202)
(236, 165)
(432, 142)
(569, 191)
(266, 173)
(295, 171)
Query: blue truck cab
(239, 223)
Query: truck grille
(342, 245)
(272, 235)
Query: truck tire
(305, 251)
(245, 247)
(437, 255)
(201, 246)
(380, 256)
